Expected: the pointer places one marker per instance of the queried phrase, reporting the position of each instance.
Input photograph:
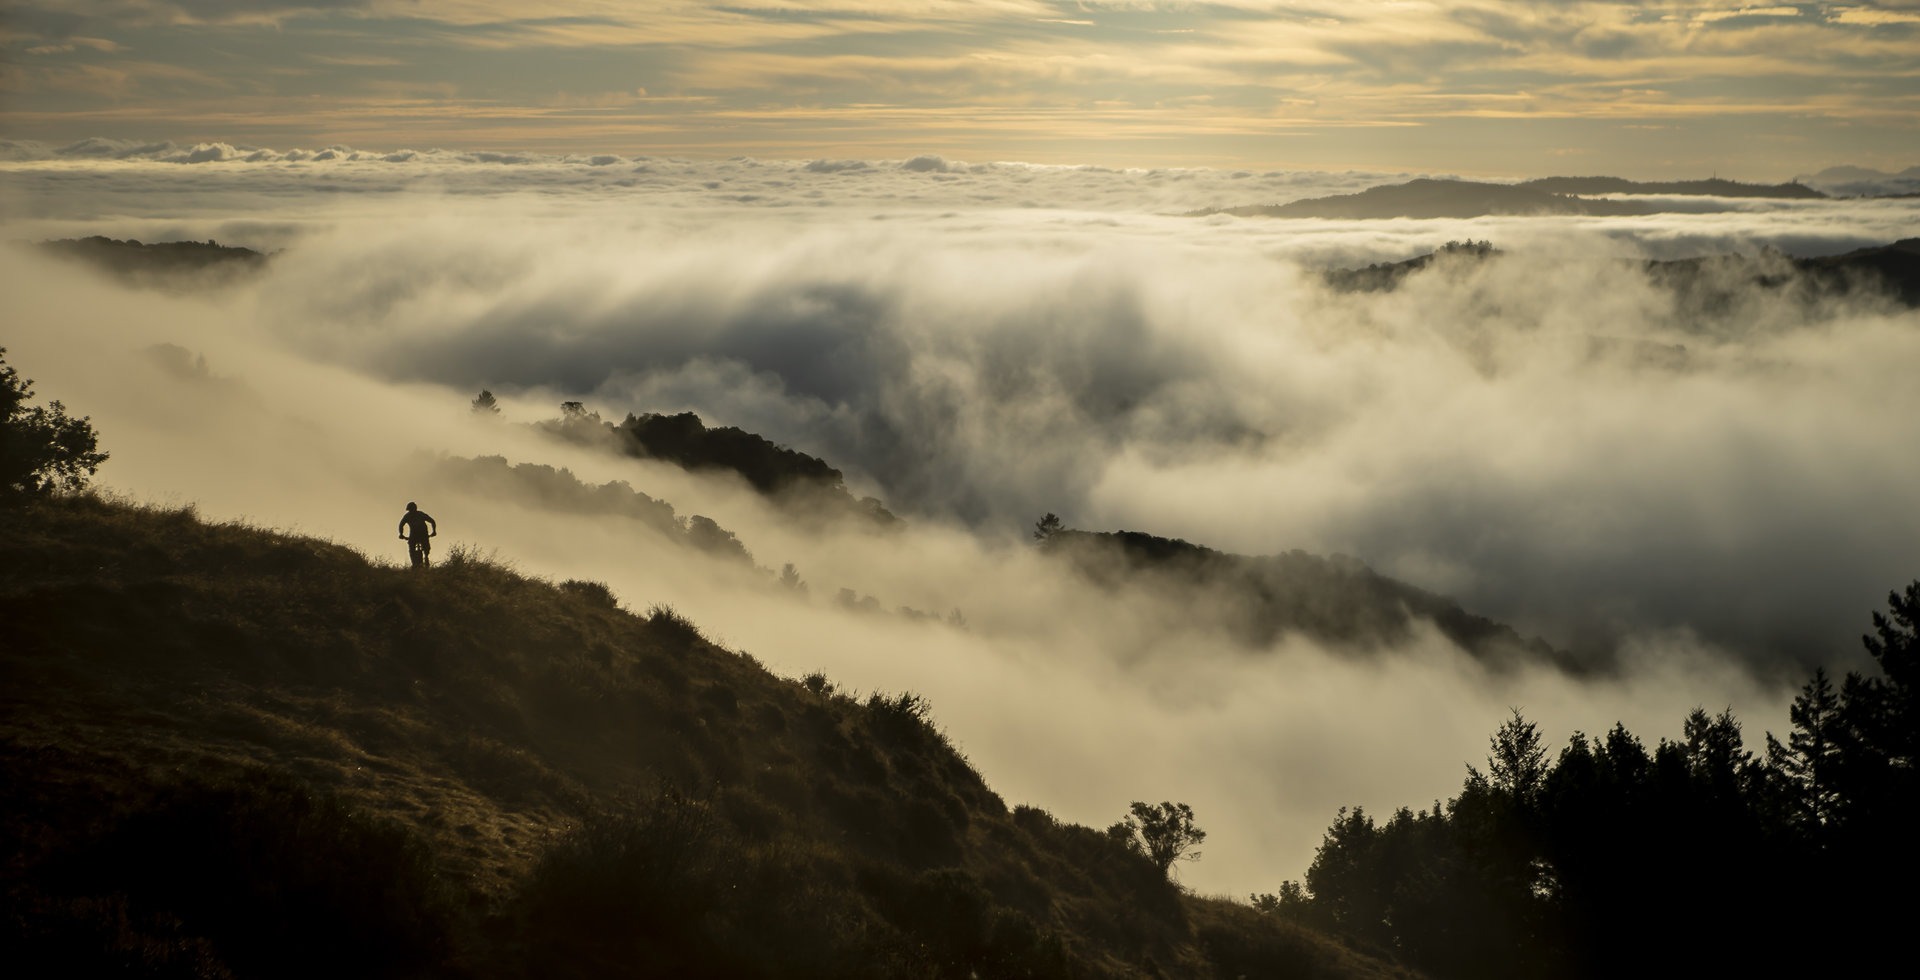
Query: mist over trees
(1607, 857)
(803, 483)
(1260, 599)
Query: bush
(634, 885)
(596, 593)
(668, 623)
(904, 719)
(817, 684)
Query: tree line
(1607, 858)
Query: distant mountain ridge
(1848, 181)
(1704, 283)
(159, 263)
(1430, 197)
(1712, 187)
(1434, 198)
(1259, 600)
(804, 484)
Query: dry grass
(540, 767)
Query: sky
(1646, 90)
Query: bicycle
(418, 550)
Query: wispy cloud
(1282, 80)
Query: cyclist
(416, 526)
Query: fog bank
(1548, 438)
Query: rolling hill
(1337, 601)
(1430, 198)
(234, 752)
(1713, 187)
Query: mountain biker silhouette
(422, 526)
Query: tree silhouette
(1518, 763)
(1046, 527)
(1806, 770)
(1577, 865)
(42, 449)
(1163, 833)
(485, 404)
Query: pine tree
(1807, 768)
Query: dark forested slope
(166, 264)
(1703, 286)
(1693, 856)
(1336, 600)
(805, 485)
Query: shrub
(634, 885)
(667, 623)
(904, 719)
(596, 593)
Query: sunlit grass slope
(226, 751)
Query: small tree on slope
(1164, 833)
(41, 449)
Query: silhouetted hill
(1429, 198)
(1385, 276)
(804, 484)
(1712, 283)
(1706, 284)
(559, 490)
(1713, 187)
(1336, 600)
(160, 263)
(233, 752)
(1864, 182)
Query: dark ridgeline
(1711, 286)
(1430, 197)
(1382, 277)
(1715, 285)
(804, 485)
(1712, 187)
(1258, 600)
(559, 491)
(164, 264)
(1698, 857)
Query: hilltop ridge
(1257, 600)
(543, 782)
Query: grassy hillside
(231, 752)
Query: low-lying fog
(1721, 497)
